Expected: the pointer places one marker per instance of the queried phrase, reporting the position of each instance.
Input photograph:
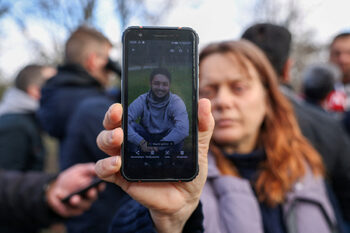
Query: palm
(157, 196)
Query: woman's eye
(207, 92)
(238, 89)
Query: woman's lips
(225, 122)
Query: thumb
(205, 127)
(205, 118)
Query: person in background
(263, 175)
(32, 200)
(318, 87)
(21, 146)
(82, 75)
(339, 54)
(324, 132)
(260, 165)
(71, 109)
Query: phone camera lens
(140, 34)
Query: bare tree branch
(64, 16)
(127, 9)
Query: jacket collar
(17, 101)
(309, 189)
(72, 75)
(213, 171)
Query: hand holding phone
(82, 192)
(159, 96)
(169, 212)
(66, 182)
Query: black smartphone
(82, 192)
(159, 97)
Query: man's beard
(159, 99)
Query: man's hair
(340, 36)
(82, 39)
(30, 75)
(319, 80)
(162, 71)
(274, 40)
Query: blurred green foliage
(3, 88)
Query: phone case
(195, 67)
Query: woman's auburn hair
(288, 152)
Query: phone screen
(159, 96)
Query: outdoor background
(35, 31)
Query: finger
(101, 187)
(205, 118)
(92, 194)
(107, 168)
(66, 210)
(74, 200)
(205, 126)
(85, 168)
(113, 117)
(78, 202)
(83, 202)
(109, 141)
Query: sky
(212, 20)
(227, 19)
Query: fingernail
(115, 161)
(110, 138)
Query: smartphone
(82, 192)
(159, 97)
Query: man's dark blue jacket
(73, 106)
(21, 146)
(62, 94)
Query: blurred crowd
(276, 161)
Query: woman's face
(238, 101)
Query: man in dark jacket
(82, 77)
(30, 201)
(324, 132)
(21, 147)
